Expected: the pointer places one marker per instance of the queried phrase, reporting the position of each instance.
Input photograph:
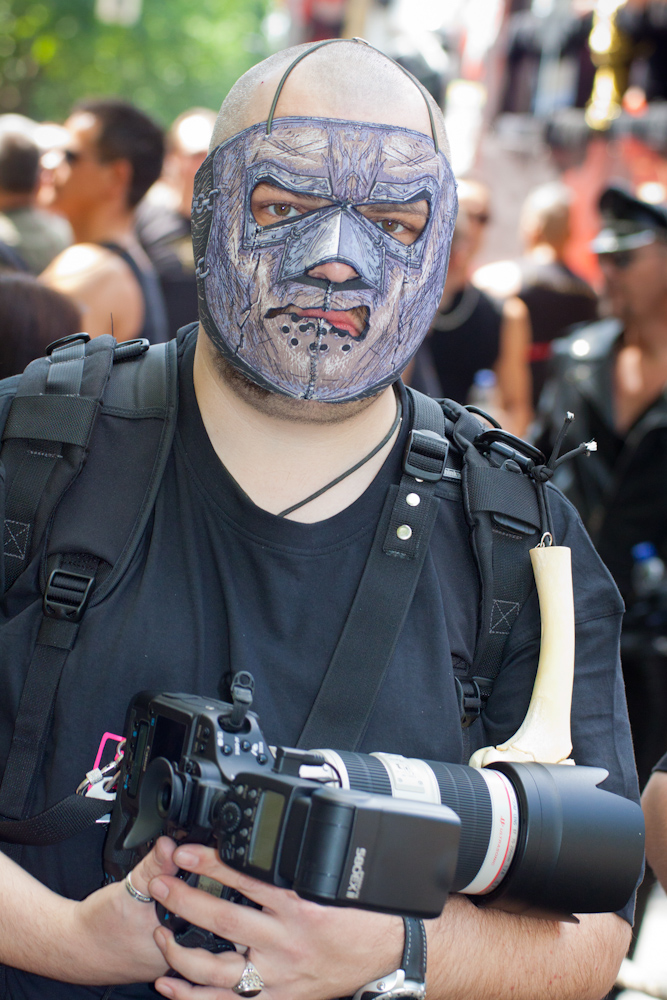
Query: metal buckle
(428, 445)
(66, 595)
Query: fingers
(159, 861)
(241, 924)
(205, 861)
(214, 974)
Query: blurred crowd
(95, 235)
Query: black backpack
(87, 432)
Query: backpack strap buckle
(425, 456)
(67, 341)
(66, 595)
(470, 700)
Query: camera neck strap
(341, 711)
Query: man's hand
(301, 950)
(123, 926)
(105, 939)
(307, 952)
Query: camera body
(190, 774)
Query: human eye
(270, 204)
(282, 210)
(391, 226)
(404, 222)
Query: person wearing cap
(612, 375)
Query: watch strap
(410, 980)
(413, 962)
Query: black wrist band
(413, 962)
(410, 980)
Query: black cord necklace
(344, 475)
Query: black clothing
(556, 298)
(462, 340)
(154, 328)
(166, 236)
(220, 584)
(620, 492)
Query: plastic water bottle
(648, 570)
(484, 390)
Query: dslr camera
(379, 831)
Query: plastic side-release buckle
(507, 446)
(470, 700)
(425, 456)
(66, 595)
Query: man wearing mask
(322, 222)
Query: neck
(281, 452)
(544, 253)
(649, 334)
(108, 223)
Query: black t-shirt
(463, 339)
(221, 585)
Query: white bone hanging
(545, 735)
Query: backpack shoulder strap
(506, 508)
(345, 701)
(87, 521)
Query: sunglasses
(620, 259)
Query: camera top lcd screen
(168, 739)
(265, 831)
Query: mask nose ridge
(336, 236)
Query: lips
(353, 322)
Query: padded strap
(345, 701)
(64, 603)
(145, 387)
(65, 819)
(46, 436)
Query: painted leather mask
(286, 330)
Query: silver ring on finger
(250, 983)
(141, 896)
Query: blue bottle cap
(643, 551)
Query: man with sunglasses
(114, 155)
(613, 376)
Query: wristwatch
(410, 979)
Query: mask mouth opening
(352, 323)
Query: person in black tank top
(114, 155)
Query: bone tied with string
(544, 735)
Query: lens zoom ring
(366, 774)
(465, 791)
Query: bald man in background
(292, 381)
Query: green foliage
(179, 54)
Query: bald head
(545, 216)
(346, 80)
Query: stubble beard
(277, 406)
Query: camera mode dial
(229, 817)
